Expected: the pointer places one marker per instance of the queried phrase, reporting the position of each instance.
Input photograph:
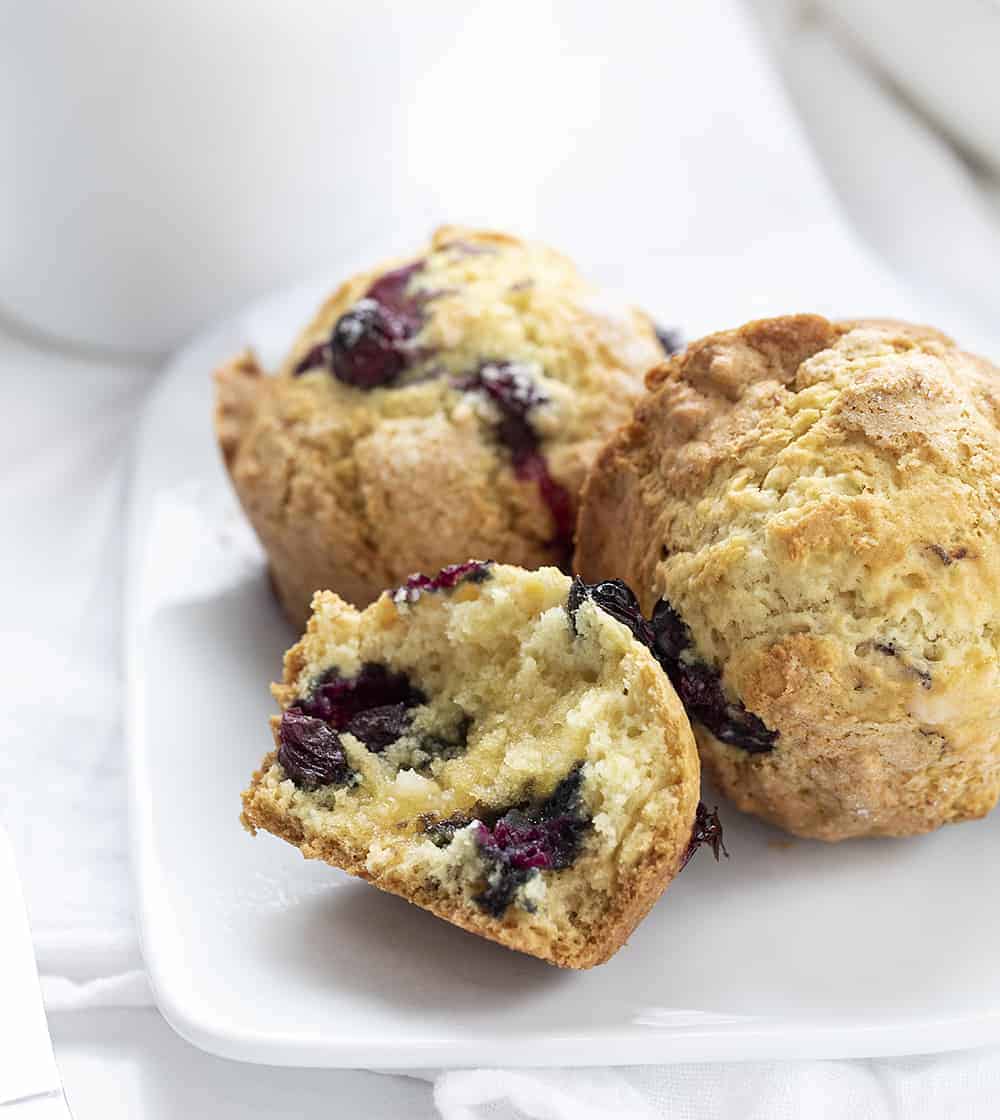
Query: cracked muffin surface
(436, 407)
(809, 511)
(492, 745)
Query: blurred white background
(163, 164)
(900, 102)
(170, 162)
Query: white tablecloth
(63, 471)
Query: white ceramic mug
(167, 162)
(162, 163)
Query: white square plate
(788, 949)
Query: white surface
(27, 1065)
(68, 423)
(256, 954)
(129, 1065)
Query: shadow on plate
(356, 936)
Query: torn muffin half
(492, 745)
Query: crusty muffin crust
(351, 489)
(819, 503)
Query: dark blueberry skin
(374, 706)
(337, 699)
(544, 837)
(698, 685)
(670, 338)
(366, 347)
(707, 831)
(515, 395)
(472, 571)
(616, 599)
(671, 637)
(310, 751)
(380, 727)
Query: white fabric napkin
(68, 421)
(959, 1085)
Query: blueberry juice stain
(515, 395)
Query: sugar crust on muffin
(812, 507)
(436, 407)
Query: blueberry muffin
(809, 510)
(440, 407)
(493, 745)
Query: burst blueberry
(339, 699)
(380, 727)
(700, 687)
(541, 837)
(374, 705)
(472, 571)
(515, 394)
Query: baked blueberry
(700, 686)
(338, 699)
(707, 833)
(310, 751)
(671, 340)
(541, 837)
(515, 395)
(471, 571)
(616, 599)
(367, 348)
